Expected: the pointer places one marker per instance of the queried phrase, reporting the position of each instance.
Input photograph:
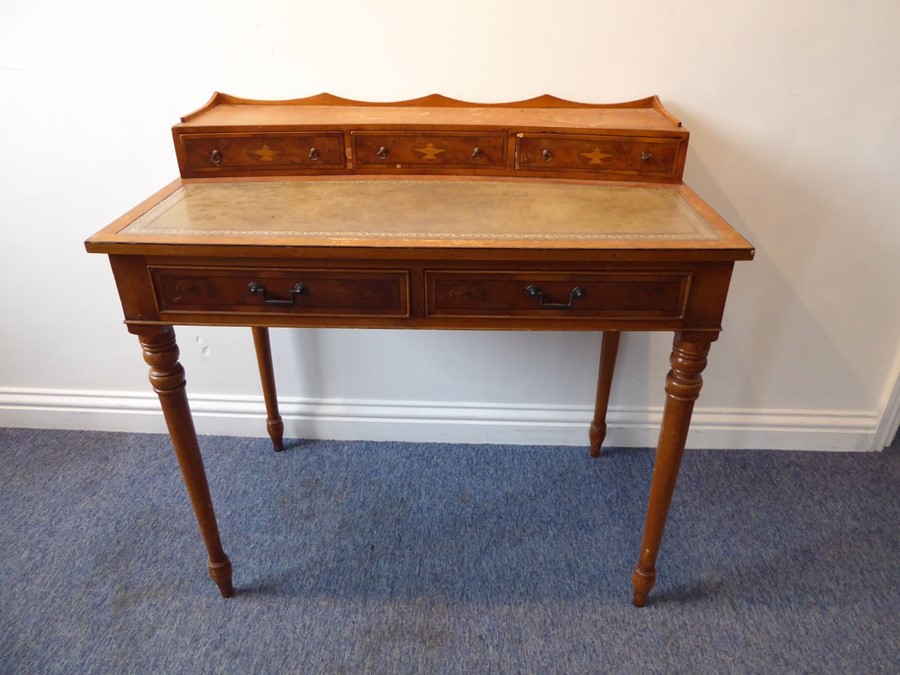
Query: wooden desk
(321, 212)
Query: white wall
(793, 110)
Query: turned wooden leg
(609, 349)
(683, 385)
(274, 425)
(167, 378)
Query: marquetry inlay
(430, 151)
(596, 157)
(266, 154)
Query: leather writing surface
(426, 210)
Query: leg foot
(220, 572)
(597, 435)
(275, 429)
(642, 582)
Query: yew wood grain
(167, 378)
(683, 383)
(426, 136)
(609, 262)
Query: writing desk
(438, 214)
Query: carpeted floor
(405, 558)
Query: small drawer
(557, 294)
(597, 154)
(262, 152)
(415, 149)
(313, 292)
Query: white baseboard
(848, 430)
(890, 417)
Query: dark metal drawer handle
(313, 154)
(258, 289)
(645, 155)
(477, 153)
(534, 291)
(215, 157)
(546, 154)
(382, 152)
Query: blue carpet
(408, 558)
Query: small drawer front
(470, 150)
(564, 295)
(314, 292)
(262, 152)
(597, 154)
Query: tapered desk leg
(274, 425)
(683, 385)
(609, 349)
(167, 378)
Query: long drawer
(520, 294)
(648, 157)
(399, 149)
(262, 152)
(312, 292)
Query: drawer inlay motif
(266, 154)
(596, 156)
(430, 152)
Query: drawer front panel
(564, 295)
(598, 154)
(313, 292)
(470, 150)
(263, 152)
